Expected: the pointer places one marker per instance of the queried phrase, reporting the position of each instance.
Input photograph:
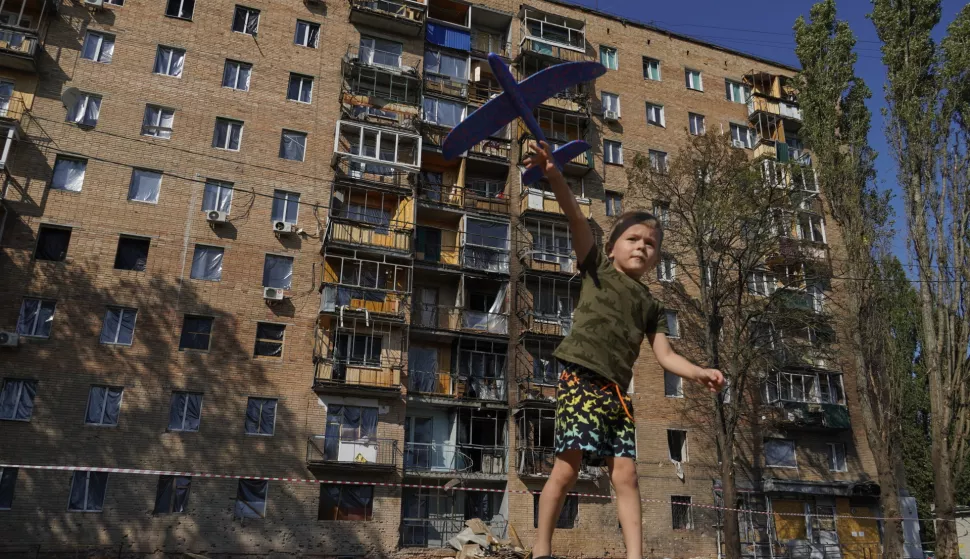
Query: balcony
(493, 149)
(447, 388)
(366, 217)
(380, 80)
(811, 416)
(391, 237)
(559, 53)
(353, 454)
(537, 462)
(447, 460)
(445, 318)
(21, 38)
(483, 90)
(485, 42)
(579, 165)
(485, 259)
(389, 304)
(357, 378)
(440, 84)
(791, 251)
(533, 200)
(402, 17)
(479, 195)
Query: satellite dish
(69, 97)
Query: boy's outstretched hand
(711, 378)
(542, 158)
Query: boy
(615, 312)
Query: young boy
(615, 311)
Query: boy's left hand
(711, 378)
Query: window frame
(174, 50)
(283, 140)
(729, 91)
(266, 260)
(607, 53)
(688, 72)
(309, 26)
(646, 65)
(42, 229)
(157, 128)
(205, 277)
(615, 153)
(258, 340)
(41, 302)
(87, 486)
(614, 203)
(145, 172)
(745, 133)
(265, 502)
(666, 268)
(259, 424)
(658, 162)
(184, 412)
(248, 12)
(285, 202)
(208, 334)
(833, 457)
(238, 66)
(682, 501)
(64, 158)
(679, 393)
(616, 96)
(685, 445)
(181, 5)
(22, 382)
(172, 504)
(103, 37)
(117, 333)
(368, 511)
(669, 313)
(691, 119)
(303, 78)
(663, 116)
(84, 98)
(229, 122)
(794, 453)
(221, 186)
(104, 409)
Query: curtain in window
(423, 369)
(217, 196)
(78, 491)
(286, 205)
(251, 498)
(278, 272)
(145, 186)
(17, 399)
(85, 110)
(207, 263)
(96, 404)
(293, 144)
(36, 318)
(68, 174)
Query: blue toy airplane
(519, 100)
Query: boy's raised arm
(578, 224)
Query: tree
(835, 129)
(722, 222)
(927, 127)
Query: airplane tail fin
(562, 155)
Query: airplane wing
(500, 111)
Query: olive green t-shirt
(614, 313)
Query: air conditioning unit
(9, 339)
(283, 227)
(273, 293)
(216, 216)
(737, 143)
(94, 3)
(611, 116)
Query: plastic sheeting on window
(158, 122)
(261, 416)
(17, 399)
(346, 503)
(423, 368)
(185, 412)
(251, 498)
(207, 263)
(36, 318)
(351, 422)
(217, 196)
(269, 340)
(169, 61)
(172, 495)
(88, 490)
(98, 47)
(236, 75)
(780, 453)
(8, 481)
(286, 205)
(52, 243)
(145, 186)
(228, 134)
(85, 110)
(278, 271)
(378, 217)
(196, 332)
(132, 254)
(300, 88)
(293, 144)
(104, 405)
(68, 174)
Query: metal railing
(543, 48)
(475, 196)
(377, 301)
(445, 85)
(486, 259)
(445, 317)
(331, 372)
(456, 458)
(18, 41)
(362, 452)
(538, 462)
(436, 532)
(493, 148)
(413, 11)
(12, 107)
(384, 60)
(348, 169)
(394, 237)
(482, 91)
(452, 385)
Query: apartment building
(231, 245)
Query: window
(68, 173)
(680, 512)
(98, 47)
(269, 339)
(169, 61)
(119, 326)
(196, 332)
(207, 263)
(87, 491)
(446, 65)
(673, 385)
(780, 453)
(261, 416)
(811, 228)
(8, 481)
(614, 204)
(17, 399)
(346, 502)
(228, 134)
(132, 253)
(236, 75)
(104, 406)
(613, 152)
(145, 186)
(180, 8)
(286, 206)
(667, 269)
(442, 112)
(307, 34)
(655, 115)
(251, 498)
(52, 243)
(245, 20)
(651, 69)
(661, 211)
(278, 271)
(185, 411)
(348, 423)
(658, 160)
(300, 88)
(742, 136)
(380, 52)
(696, 124)
(158, 122)
(36, 318)
(567, 516)
(673, 324)
(115, 2)
(293, 145)
(358, 349)
(677, 445)
(762, 283)
(555, 28)
(837, 461)
(172, 495)
(217, 196)
(609, 57)
(85, 109)
(611, 103)
(694, 80)
(736, 92)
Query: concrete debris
(477, 541)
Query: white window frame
(613, 152)
(171, 51)
(81, 107)
(305, 39)
(185, 411)
(102, 39)
(612, 57)
(658, 162)
(552, 20)
(673, 313)
(195, 251)
(379, 135)
(229, 123)
(730, 93)
(663, 118)
(692, 128)
(290, 259)
(153, 126)
(762, 283)
(812, 219)
(87, 481)
(436, 102)
(745, 136)
(794, 452)
(221, 188)
(146, 172)
(614, 199)
(303, 78)
(87, 406)
(679, 384)
(649, 63)
(181, 4)
(689, 74)
(666, 269)
(117, 332)
(373, 49)
(68, 160)
(249, 13)
(611, 102)
(281, 197)
(834, 457)
(33, 328)
(237, 66)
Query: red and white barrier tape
(137, 471)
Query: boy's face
(637, 250)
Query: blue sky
(764, 28)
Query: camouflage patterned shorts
(590, 416)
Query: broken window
(251, 498)
(36, 318)
(342, 502)
(185, 411)
(132, 253)
(8, 481)
(88, 491)
(52, 243)
(104, 405)
(196, 332)
(17, 399)
(673, 385)
(207, 263)
(172, 494)
(677, 445)
(261, 416)
(780, 453)
(680, 512)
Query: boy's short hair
(629, 219)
